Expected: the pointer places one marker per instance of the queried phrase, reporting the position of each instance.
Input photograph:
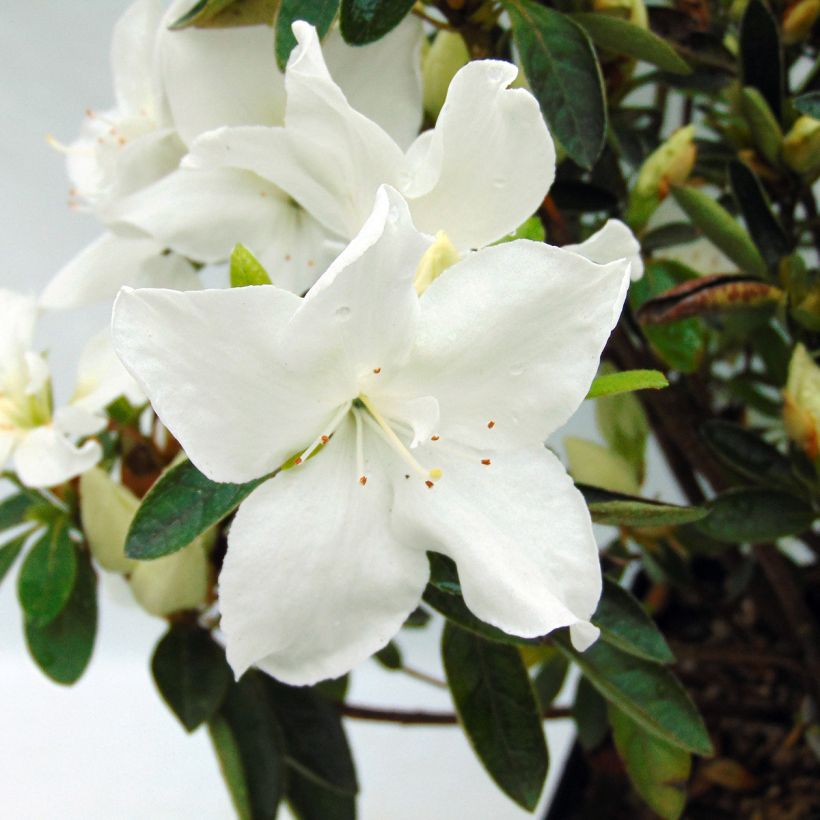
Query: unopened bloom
(419, 423)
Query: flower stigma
(441, 255)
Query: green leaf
(809, 104)
(230, 764)
(623, 37)
(763, 226)
(227, 14)
(444, 573)
(314, 739)
(747, 454)
(645, 691)
(181, 505)
(13, 509)
(667, 236)
(625, 624)
(564, 75)
(763, 125)
(62, 647)
(258, 745)
(191, 673)
(47, 575)
(626, 381)
(246, 269)
(319, 13)
(761, 57)
(658, 770)
(497, 708)
(389, 656)
(199, 13)
(532, 229)
(618, 509)
(592, 463)
(312, 801)
(550, 678)
(721, 228)
(364, 21)
(589, 714)
(754, 515)
(10, 551)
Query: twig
(421, 718)
(422, 676)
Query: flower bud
(801, 402)
(801, 147)
(799, 20)
(668, 165)
(437, 258)
(442, 60)
(632, 10)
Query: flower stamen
(323, 438)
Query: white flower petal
(18, 315)
(489, 162)
(313, 582)
(613, 241)
(209, 361)
(77, 422)
(44, 457)
(519, 532)
(510, 338)
(361, 315)
(101, 378)
(382, 80)
(8, 438)
(38, 374)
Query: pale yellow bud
(801, 405)
(632, 10)
(447, 54)
(799, 20)
(437, 258)
(801, 147)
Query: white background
(108, 747)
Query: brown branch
(421, 718)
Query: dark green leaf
(624, 623)
(443, 573)
(721, 228)
(191, 673)
(675, 233)
(364, 21)
(13, 510)
(754, 515)
(809, 104)
(565, 77)
(746, 453)
(227, 14)
(761, 56)
(314, 739)
(496, 706)
(180, 506)
(626, 381)
(549, 679)
(62, 648)
(764, 128)
(47, 575)
(246, 269)
(619, 509)
(230, 764)
(312, 801)
(623, 37)
(257, 738)
(319, 13)
(658, 770)
(647, 692)
(589, 713)
(763, 226)
(200, 12)
(389, 656)
(333, 688)
(10, 551)
(582, 197)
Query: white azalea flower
(478, 174)
(40, 440)
(425, 418)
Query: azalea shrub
(365, 260)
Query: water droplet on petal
(516, 369)
(342, 314)
(500, 182)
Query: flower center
(441, 255)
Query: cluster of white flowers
(417, 378)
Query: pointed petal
(518, 531)
(313, 582)
(361, 315)
(210, 364)
(44, 457)
(513, 335)
(490, 155)
(382, 80)
(614, 241)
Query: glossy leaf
(755, 515)
(761, 56)
(809, 104)
(623, 37)
(564, 75)
(497, 708)
(364, 21)
(645, 691)
(589, 714)
(191, 673)
(623, 510)
(180, 506)
(47, 575)
(314, 739)
(658, 770)
(626, 381)
(227, 14)
(721, 228)
(319, 13)
(246, 269)
(763, 225)
(62, 647)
